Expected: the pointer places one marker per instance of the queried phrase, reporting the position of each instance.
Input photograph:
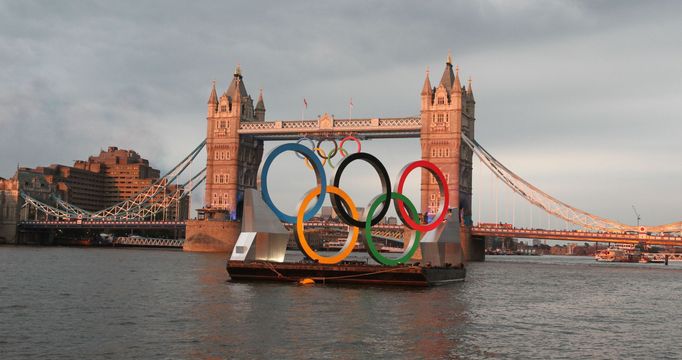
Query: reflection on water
(104, 303)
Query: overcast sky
(583, 99)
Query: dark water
(124, 303)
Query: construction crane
(637, 215)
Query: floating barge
(344, 273)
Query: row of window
(440, 152)
(220, 200)
(438, 119)
(222, 155)
(221, 178)
(433, 178)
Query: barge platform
(344, 273)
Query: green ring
(369, 244)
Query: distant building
(9, 210)
(391, 220)
(327, 212)
(102, 181)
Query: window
(223, 108)
(217, 154)
(440, 118)
(441, 100)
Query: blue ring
(312, 146)
(319, 174)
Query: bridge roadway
(393, 231)
(76, 224)
(577, 235)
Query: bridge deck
(327, 126)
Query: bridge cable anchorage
(552, 205)
(140, 206)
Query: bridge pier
(473, 247)
(211, 236)
(35, 237)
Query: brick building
(9, 211)
(102, 181)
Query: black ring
(341, 208)
(331, 154)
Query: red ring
(400, 207)
(350, 138)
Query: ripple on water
(104, 303)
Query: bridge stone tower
(447, 111)
(231, 166)
(231, 163)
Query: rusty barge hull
(344, 273)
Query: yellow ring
(352, 236)
(324, 161)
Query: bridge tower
(232, 161)
(447, 111)
(231, 166)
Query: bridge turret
(470, 106)
(456, 91)
(260, 107)
(427, 92)
(212, 101)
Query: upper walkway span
(326, 125)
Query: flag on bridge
(305, 103)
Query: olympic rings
(331, 154)
(312, 145)
(385, 188)
(324, 160)
(343, 204)
(443, 202)
(303, 243)
(414, 239)
(338, 149)
(350, 138)
(319, 174)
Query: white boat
(619, 253)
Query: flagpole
(350, 109)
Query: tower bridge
(237, 130)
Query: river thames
(129, 303)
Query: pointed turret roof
(260, 105)
(213, 98)
(457, 86)
(237, 85)
(427, 84)
(470, 90)
(448, 77)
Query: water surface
(130, 303)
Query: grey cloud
(548, 75)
